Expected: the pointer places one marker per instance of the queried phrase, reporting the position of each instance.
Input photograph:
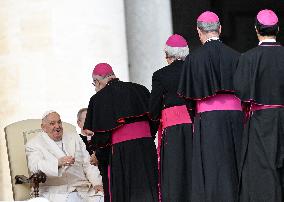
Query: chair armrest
(34, 180)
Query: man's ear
(198, 30)
(255, 30)
(220, 29)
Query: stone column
(148, 25)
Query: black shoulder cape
(116, 104)
(260, 74)
(208, 70)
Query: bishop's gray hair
(209, 26)
(177, 52)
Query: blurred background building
(48, 49)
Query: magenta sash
(256, 107)
(219, 102)
(174, 116)
(170, 117)
(126, 132)
(131, 131)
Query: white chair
(17, 135)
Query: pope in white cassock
(65, 161)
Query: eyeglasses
(167, 56)
(95, 82)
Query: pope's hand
(66, 161)
(98, 188)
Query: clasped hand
(66, 161)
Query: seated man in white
(65, 161)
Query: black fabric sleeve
(101, 139)
(154, 125)
(184, 80)
(242, 78)
(102, 155)
(191, 106)
(156, 99)
(101, 144)
(89, 116)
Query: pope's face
(52, 125)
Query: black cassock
(133, 163)
(208, 71)
(260, 79)
(176, 145)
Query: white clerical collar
(267, 40)
(214, 38)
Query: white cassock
(67, 182)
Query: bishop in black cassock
(175, 134)
(207, 78)
(260, 84)
(119, 117)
